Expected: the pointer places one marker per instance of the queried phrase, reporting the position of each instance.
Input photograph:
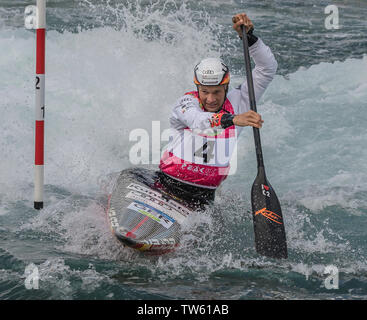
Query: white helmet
(211, 72)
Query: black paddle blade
(270, 239)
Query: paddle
(270, 239)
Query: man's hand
(239, 20)
(249, 118)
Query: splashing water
(122, 70)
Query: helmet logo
(211, 72)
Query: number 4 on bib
(206, 151)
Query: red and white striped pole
(40, 103)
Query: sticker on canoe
(156, 215)
(174, 204)
(156, 204)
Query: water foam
(100, 85)
(103, 83)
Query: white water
(101, 84)
(97, 94)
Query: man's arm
(265, 66)
(187, 113)
(263, 74)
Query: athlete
(207, 122)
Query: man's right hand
(249, 118)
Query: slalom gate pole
(40, 104)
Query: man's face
(212, 97)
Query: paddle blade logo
(270, 215)
(265, 190)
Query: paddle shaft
(270, 237)
(251, 91)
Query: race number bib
(206, 147)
